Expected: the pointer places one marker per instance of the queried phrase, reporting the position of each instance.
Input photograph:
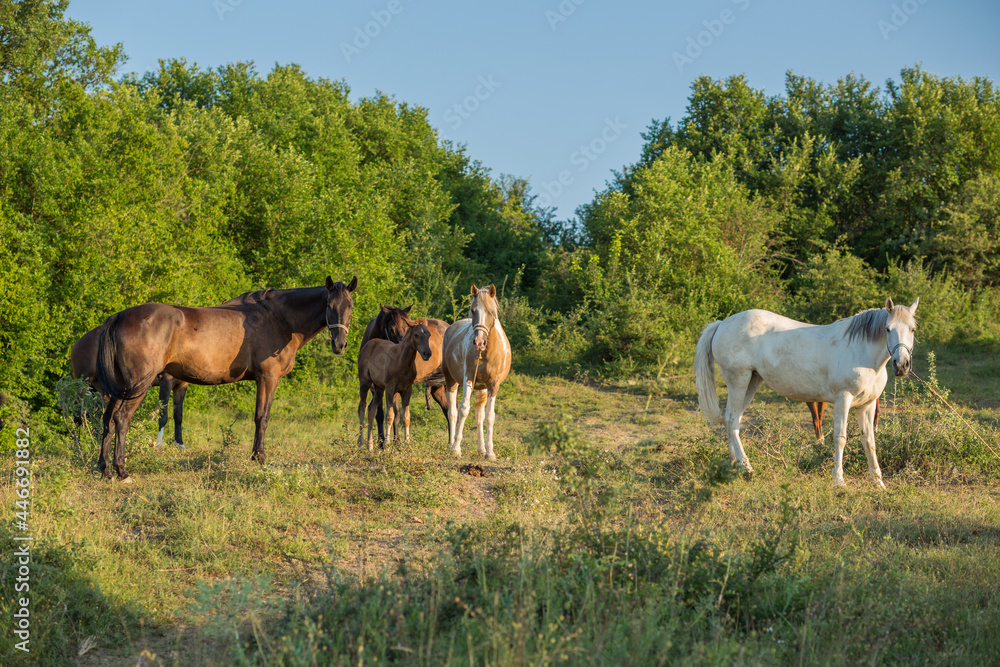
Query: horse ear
(473, 290)
(913, 308)
(329, 284)
(354, 284)
(888, 303)
(383, 308)
(407, 309)
(493, 291)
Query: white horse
(475, 353)
(841, 363)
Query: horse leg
(363, 407)
(379, 421)
(480, 421)
(180, 391)
(741, 392)
(866, 422)
(875, 418)
(377, 401)
(266, 384)
(404, 400)
(123, 419)
(491, 416)
(452, 415)
(463, 414)
(441, 396)
(106, 436)
(391, 417)
(841, 410)
(816, 410)
(164, 401)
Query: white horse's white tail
(704, 376)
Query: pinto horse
(390, 369)
(477, 355)
(83, 358)
(253, 337)
(843, 363)
(391, 324)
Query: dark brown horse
(816, 411)
(391, 324)
(83, 358)
(390, 369)
(253, 337)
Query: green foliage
(685, 246)
(836, 284)
(191, 186)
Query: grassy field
(610, 531)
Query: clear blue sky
(536, 82)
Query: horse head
(422, 340)
(483, 311)
(339, 307)
(899, 331)
(392, 323)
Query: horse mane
(393, 312)
(491, 308)
(869, 325)
(250, 297)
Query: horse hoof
(491, 457)
(457, 453)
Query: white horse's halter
(897, 346)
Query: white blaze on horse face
(477, 313)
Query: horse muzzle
(338, 343)
(900, 366)
(338, 337)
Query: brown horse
(83, 358)
(391, 324)
(477, 354)
(253, 337)
(816, 411)
(389, 369)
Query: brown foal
(389, 369)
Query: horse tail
(704, 376)
(432, 382)
(107, 363)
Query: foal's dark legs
(439, 394)
(379, 420)
(265, 393)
